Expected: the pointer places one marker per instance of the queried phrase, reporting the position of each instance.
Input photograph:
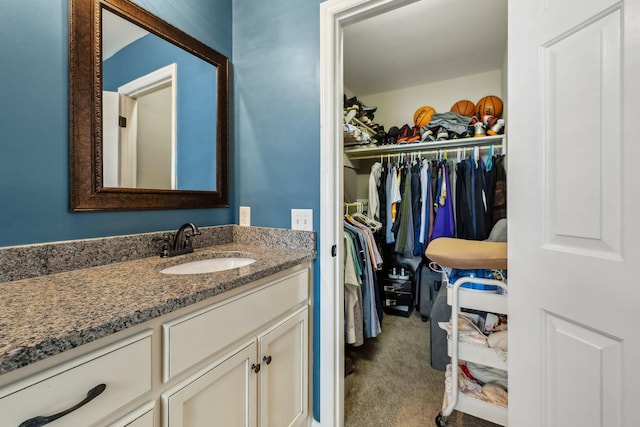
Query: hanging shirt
(354, 329)
(374, 182)
(393, 197)
(370, 292)
(424, 209)
(404, 242)
(443, 225)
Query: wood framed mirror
(122, 155)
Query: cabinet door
(284, 357)
(140, 417)
(223, 394)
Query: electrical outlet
(302, 219)
(245, 216)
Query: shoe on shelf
(366, 120)
(350, 102)
(489, 121)
(403, 136)
(496, 128)
(414, 135)
(368, 109)
(426, 134)
(381, 137)
(467, 133)
(364, 109)
(480, 130)
(442, 134)
(349, 114)
(392, 135)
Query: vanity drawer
(194, 337)
(124, 367)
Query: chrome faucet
(180, 242)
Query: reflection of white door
(574, 238)
(128, 142)
(110, 148)
(149, 142)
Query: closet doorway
(398, 376)
(571, 363)
(358, 24)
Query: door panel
(581, 80)
(574, 238)
(579, 358)
(283, 377)
(222, 395)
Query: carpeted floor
(393, 383)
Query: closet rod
(451, 151)
(372, 152)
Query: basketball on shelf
(422, 116)
(489, 106)
(464, 107)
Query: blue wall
(276, 55)
(34, 149)
(196, 81)
(275, 120)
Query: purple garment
(443, 225)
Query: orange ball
(422, 116)
(489, 106)
(464, 107)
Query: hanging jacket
(443, 225)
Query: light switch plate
(245, 216)
(302, 219)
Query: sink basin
(208, 265)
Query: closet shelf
(371, 152)
(479, 408)
(482, 355)
(479, 300)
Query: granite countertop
(46, 315)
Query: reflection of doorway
(142, 154)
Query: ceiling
(424, 42)
(120, 33)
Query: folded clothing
(499, 340)
(490, 392)
(468, 332)
(486, 374)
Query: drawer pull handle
(255, 367)
(41, 420)
(267, 359)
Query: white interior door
(110, 146)
(574, 235)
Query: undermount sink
(208, 265)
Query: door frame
(164, 76)
(334, 15)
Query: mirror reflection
(158, 111)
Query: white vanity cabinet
(140, 417)
(241, 359)
(263, 380)
(223, 393)
(124, 368)
(283, 381)
(264, 383)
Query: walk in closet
(436, 80)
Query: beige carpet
(393, 383)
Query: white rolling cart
(466, 254)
